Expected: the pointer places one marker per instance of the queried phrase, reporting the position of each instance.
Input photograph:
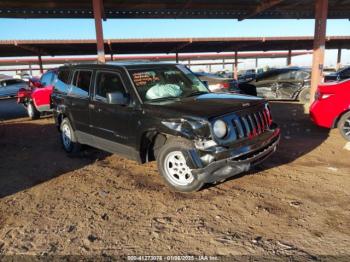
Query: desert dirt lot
(297, 203)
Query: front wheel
(344, 126)
(68, 138)
(33, 113)
(174, 166)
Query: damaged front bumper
(234, 161)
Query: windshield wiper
(163, 99)
(197, 93)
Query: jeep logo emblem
(245, 104)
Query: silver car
(10, 87)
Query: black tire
(184, 182)
(344, 126)
(304, 96)
(68, 138)
(32, 112)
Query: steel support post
(289, 58)
(97, 6)
(321, 12)
(40, 64)
(30, 69)
(339, 59)
(235, 67)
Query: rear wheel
(174, 166)
(304, 96)
(68, 138)
(344, 126)
(33, 113)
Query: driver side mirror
(118, 98)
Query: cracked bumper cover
(234, 165)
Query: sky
(11, 29)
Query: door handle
(91, 106)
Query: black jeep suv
(152, 111)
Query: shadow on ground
(31, 153)
(299, 134)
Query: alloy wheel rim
(177, 169)
(346, 128)
(66, 136)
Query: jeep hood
(204, 106)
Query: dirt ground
(297, 203)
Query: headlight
(220, 129)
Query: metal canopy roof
(182, 57)
(233, 9)
(12, 48)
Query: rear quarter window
(62, 82)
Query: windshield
(166, 83)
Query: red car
(36, 99)
(332, 107)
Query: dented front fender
(191, 128)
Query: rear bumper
(322, 113)
(236, 164)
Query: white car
(10, 87)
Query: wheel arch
(336, 120)
(150, 143)
(59, 118)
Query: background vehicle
(329, 70)
(25, 76)
(225, 73)
(2, 77)
(338, 76)
(246, 75)
(291, 83)
(217, 83)
(36, 99)
(156, 111)
(332, 107)
(10, 87)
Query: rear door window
(288, 75)
(62, 82)
(81, 83)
